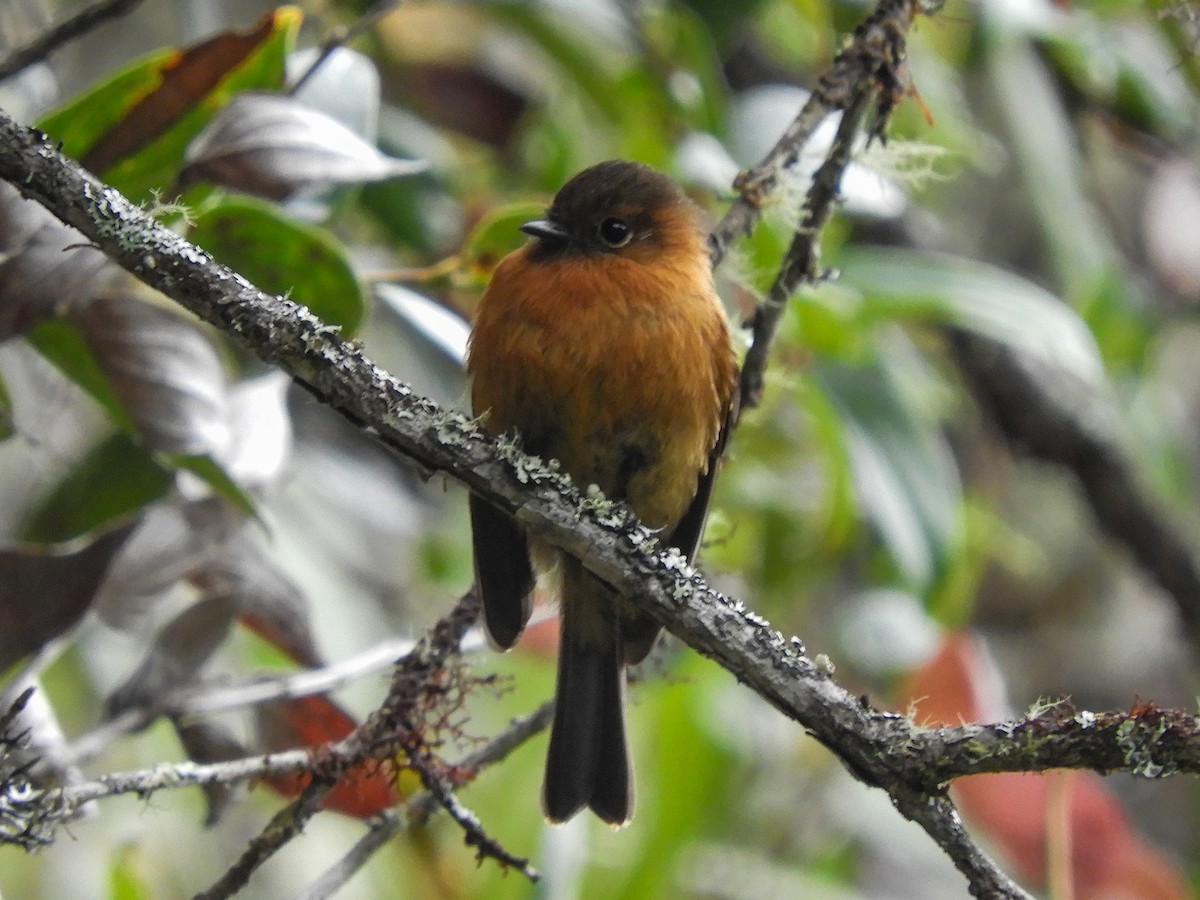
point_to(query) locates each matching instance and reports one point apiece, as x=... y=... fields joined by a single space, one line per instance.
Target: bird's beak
x=546 y=230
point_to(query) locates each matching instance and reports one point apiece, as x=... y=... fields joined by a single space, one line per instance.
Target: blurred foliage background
x=1039 y=191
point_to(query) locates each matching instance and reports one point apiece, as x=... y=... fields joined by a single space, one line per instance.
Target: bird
x=603 y=343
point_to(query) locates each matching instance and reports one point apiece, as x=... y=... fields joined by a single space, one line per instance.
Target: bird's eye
x=615 y=232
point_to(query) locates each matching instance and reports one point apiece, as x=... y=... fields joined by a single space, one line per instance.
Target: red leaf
x=364 y=791
x=1108 y=858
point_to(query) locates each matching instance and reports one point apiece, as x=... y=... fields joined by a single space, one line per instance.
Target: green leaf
x=134 y=476
x=282 y=256
x=118 y=477
x=7 y=428
x=976 y=296
x=400 y=206
x=906 y=479
x=498 y=233
x=214 y=475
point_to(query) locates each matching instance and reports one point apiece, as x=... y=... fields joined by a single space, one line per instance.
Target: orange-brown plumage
x=604 y=344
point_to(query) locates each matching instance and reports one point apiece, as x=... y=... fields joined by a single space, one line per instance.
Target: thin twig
x=284 y=825
x=937 y=815
x=70 y=29
x=420 y=807
x=869 y=70
x=208 y=699
x=382 y=829
x=146 y=781
x=875 y=55
x=801 y=265
x=365 y=21
x=395 y=726
x=473 y=832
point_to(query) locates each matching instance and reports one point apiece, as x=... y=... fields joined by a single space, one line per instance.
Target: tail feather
x=588 y=763
x=502 y=573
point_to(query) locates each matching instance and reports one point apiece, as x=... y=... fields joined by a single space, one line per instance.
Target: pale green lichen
x=530 y=469
x=1138 y=738
x=455 y=430
x=1041 y=706
x=682 y=591
x=607 y=512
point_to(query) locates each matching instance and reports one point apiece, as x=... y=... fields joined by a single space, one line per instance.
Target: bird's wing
x=639 y=633
x=687 y=534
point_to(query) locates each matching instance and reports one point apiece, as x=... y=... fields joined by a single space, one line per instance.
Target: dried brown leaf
x=45 y=591
x=164 y=369
x=44 y=265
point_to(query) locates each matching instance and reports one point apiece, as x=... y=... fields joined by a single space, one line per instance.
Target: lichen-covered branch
x=606 y=536
x=424 y=693
x=872 y=62
x=801 y=264
x=1144 y=740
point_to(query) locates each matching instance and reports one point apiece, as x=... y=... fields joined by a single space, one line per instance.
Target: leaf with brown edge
x=86 y=122
x=186 y=78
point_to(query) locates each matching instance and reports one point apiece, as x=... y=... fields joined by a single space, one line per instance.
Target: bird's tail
x=588 y=762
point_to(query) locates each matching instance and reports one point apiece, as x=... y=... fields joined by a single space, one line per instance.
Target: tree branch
x=881 y=749
x=419 y=808
x=68 y=30
x=286 y=824
x=604 y=535
x=872 y=61
x=401 y=726
x=801 y=264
